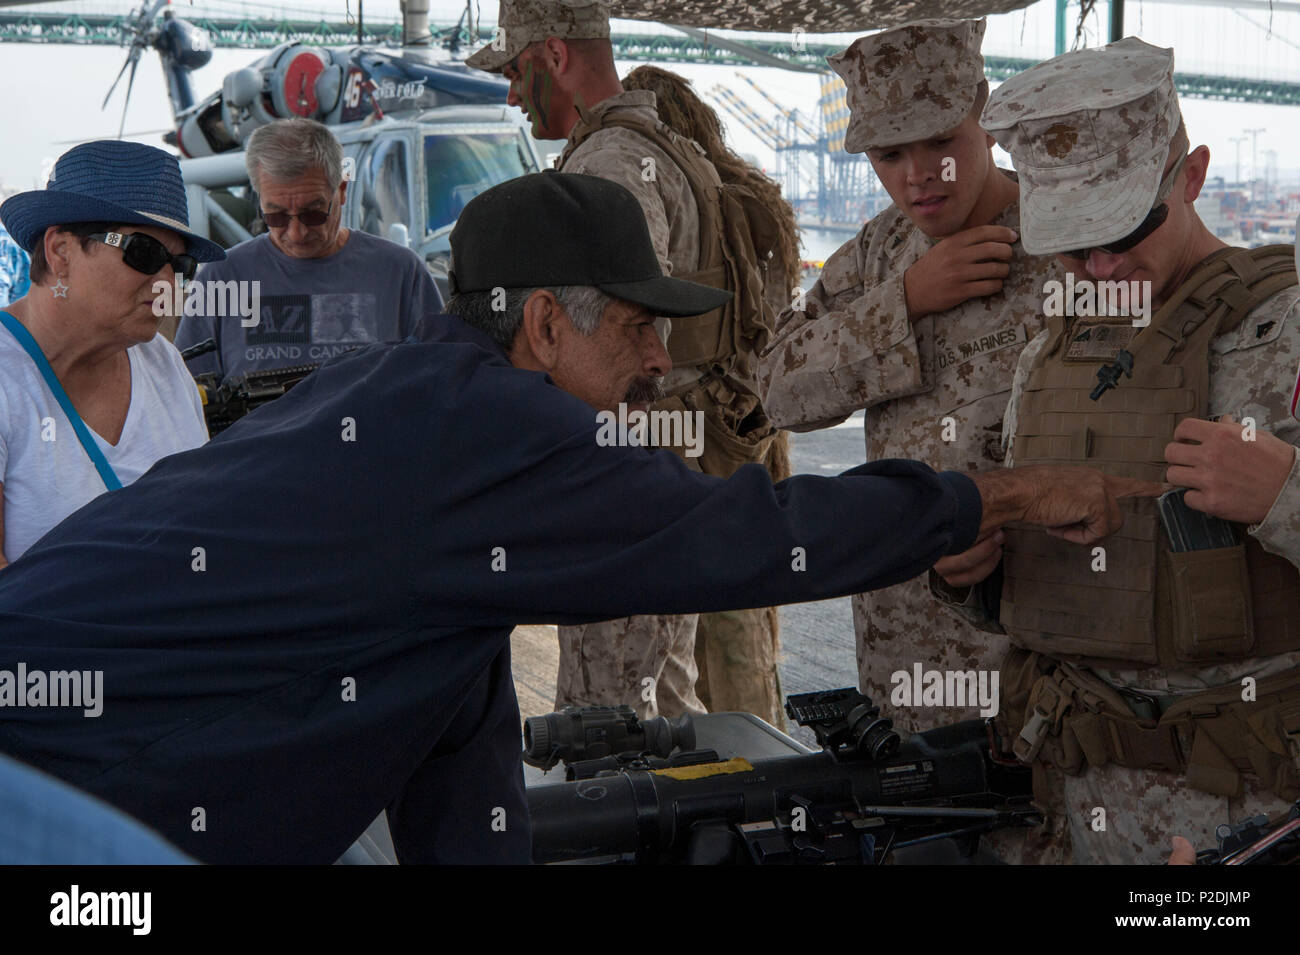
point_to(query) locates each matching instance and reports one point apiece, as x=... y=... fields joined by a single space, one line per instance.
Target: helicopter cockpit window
x=462 y=165
x=385 y=195
x=241 y=203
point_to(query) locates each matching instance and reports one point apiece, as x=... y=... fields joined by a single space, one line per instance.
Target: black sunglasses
x=146 y=254
x=311 y=218
x=1154 y=220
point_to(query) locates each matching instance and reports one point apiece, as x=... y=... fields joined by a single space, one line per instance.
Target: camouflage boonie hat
x=522 y=22
x=1089 y=133
x=910 y=83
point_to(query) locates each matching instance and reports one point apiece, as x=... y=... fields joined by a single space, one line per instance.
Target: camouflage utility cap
x=522 y=22
x=910 y=83
x=1089 y=133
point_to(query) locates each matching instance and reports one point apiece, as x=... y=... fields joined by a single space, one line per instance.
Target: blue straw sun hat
x=108 y=181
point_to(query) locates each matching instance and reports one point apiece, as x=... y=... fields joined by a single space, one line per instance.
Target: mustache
x=648 y=390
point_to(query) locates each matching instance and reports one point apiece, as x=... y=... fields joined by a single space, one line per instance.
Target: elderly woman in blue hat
x=90 y=395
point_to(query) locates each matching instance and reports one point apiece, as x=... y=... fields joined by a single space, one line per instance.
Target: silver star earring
x=60 y=290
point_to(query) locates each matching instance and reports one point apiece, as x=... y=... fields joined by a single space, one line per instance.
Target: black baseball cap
x=557 y=228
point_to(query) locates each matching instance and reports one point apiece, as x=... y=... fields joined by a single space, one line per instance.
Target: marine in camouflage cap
x=910 y=83
x=523 y=22
x=918 y=321
x=1089 y=132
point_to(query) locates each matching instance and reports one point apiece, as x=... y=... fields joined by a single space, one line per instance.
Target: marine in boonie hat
x=1089 y=133
x=910 y=83
x=523 y=22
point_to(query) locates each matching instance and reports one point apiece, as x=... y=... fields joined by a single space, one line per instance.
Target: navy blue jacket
x=233 y=594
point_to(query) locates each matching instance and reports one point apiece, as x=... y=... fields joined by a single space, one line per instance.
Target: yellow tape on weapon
x=704 y=770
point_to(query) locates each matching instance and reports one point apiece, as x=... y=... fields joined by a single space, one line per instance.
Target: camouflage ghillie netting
x=827 y=16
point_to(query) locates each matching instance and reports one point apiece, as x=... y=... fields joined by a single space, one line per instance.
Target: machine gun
x=865 y=796
x=226 y=402
x=1257 y=841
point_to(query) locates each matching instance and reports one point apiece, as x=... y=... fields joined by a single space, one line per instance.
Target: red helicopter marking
x=300 y=83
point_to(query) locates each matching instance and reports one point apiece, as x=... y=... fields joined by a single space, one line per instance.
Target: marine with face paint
x=558 y=59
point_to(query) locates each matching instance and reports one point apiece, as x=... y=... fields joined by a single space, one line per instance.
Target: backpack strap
x=728 y=259
x=1224 y=288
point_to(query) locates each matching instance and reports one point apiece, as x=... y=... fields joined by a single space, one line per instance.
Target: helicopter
x=335 y=86
x=421 y=136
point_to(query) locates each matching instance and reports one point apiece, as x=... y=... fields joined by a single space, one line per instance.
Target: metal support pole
x=1060 y=26
x=1238 y=140
x=1116 y=20
x=1254 y=157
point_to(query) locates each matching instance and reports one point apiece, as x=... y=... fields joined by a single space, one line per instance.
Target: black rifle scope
x=592 y=732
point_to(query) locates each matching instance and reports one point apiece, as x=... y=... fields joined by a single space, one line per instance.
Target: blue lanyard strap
x=97 y=458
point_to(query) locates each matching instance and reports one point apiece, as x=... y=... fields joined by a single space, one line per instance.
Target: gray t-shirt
x=371 y=290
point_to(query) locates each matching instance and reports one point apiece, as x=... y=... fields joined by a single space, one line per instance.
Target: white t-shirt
x=46 y=472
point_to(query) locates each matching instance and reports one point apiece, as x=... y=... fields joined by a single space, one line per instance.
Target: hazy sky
x=56 y=91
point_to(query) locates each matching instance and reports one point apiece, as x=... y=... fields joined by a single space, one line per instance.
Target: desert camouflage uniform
x=1253 y=372
x=737 y=656
x=621 y=155
x=607 y=663
x=853 y=347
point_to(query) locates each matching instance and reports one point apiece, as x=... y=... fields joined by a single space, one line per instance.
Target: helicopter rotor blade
x=134 y=134
x=129 y=83
x=144 y=19
x=125 y=64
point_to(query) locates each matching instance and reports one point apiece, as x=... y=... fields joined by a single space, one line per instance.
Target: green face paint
x=535 y=94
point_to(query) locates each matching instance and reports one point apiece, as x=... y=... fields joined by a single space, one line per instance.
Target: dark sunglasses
x=311 y=218
x=146 y=254
x=1154 y=220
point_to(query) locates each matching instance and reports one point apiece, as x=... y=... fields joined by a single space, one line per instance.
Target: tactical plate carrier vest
x=736 y=233
x=1150 y=606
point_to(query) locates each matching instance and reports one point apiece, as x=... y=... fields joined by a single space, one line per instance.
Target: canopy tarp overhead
x=822 y=16
x=778 y=16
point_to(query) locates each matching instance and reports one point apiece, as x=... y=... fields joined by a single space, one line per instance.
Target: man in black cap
x=270 y=684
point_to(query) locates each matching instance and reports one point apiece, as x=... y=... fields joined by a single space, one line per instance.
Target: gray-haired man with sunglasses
x=317 y=288
x=1159 y=671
